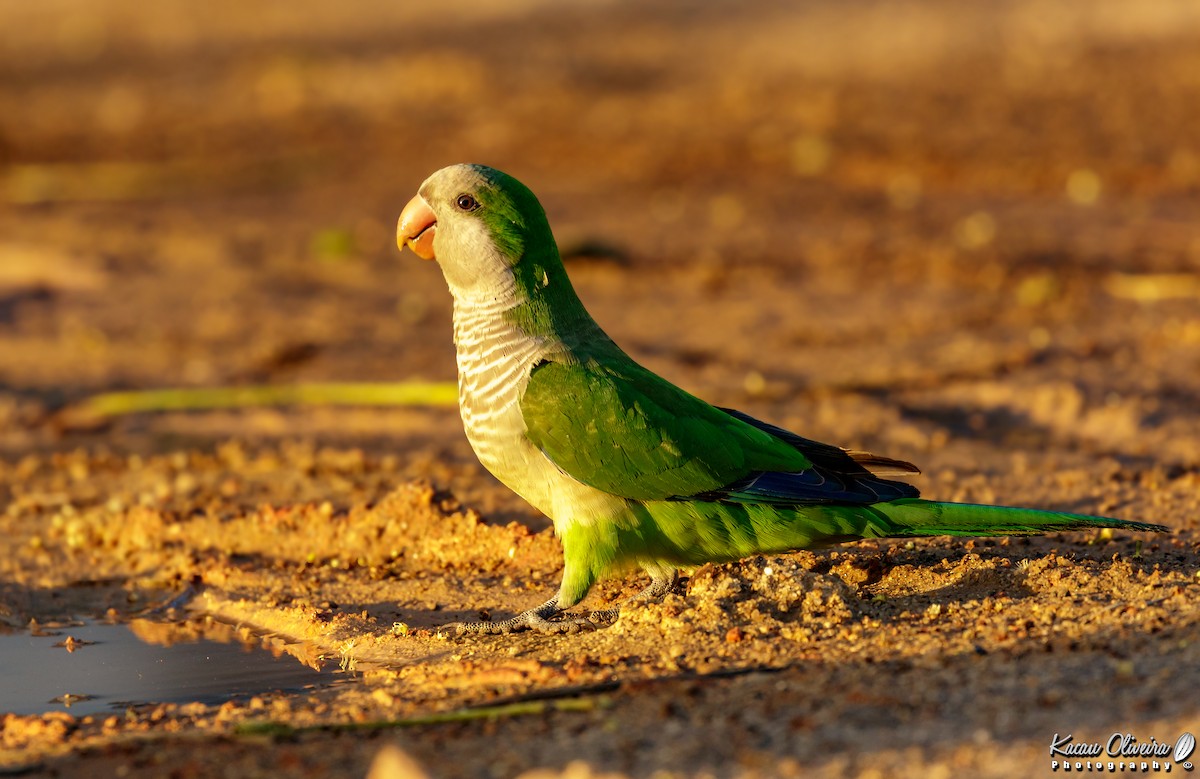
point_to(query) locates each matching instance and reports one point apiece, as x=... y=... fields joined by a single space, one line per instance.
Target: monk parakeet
x=633 y=471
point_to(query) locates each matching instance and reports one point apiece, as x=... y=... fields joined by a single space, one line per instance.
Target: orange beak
x=417 y=227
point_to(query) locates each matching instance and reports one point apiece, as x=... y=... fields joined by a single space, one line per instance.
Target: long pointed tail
x=917 y=517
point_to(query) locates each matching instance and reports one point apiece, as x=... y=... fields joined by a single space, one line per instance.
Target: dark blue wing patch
x=837 y=476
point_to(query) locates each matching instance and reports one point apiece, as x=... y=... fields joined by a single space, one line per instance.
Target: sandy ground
x=958 y=234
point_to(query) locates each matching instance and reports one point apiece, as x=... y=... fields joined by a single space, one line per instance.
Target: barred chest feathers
x=494 y=361
x=495 y=358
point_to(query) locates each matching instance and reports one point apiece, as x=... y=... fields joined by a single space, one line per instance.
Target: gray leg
x=660 y=585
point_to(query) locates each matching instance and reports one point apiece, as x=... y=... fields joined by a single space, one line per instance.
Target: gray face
x=464 y=247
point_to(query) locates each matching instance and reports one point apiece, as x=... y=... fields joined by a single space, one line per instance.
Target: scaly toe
x=457 y=629
x=547 y=627
x=603 y=618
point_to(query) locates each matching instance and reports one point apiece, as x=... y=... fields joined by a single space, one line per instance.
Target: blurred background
x=961 y=233
x=907 y=225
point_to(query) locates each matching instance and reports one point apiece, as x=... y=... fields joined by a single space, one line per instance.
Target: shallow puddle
x=99 y=667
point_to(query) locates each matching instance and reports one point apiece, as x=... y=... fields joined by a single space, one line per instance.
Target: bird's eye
x=466 y=203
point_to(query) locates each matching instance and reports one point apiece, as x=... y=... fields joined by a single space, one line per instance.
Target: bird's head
x=484 y=228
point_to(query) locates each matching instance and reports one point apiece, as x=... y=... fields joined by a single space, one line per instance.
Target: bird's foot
x=658 y=587
x=537 y=618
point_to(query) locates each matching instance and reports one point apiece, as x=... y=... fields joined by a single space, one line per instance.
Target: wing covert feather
x=628 y=432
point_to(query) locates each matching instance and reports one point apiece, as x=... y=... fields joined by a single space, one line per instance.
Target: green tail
x=917 y=517
x=694 y=532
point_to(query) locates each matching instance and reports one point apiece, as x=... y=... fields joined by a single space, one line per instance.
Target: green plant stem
x=406 y=393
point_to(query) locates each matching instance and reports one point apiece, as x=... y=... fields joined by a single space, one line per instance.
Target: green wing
x=624 y=430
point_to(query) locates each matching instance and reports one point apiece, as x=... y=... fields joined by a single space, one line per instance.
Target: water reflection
x=99 y=667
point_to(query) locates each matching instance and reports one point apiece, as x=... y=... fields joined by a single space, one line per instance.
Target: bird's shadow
x=1003 y=573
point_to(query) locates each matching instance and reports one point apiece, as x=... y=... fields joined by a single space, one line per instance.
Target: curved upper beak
x=417 y=227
